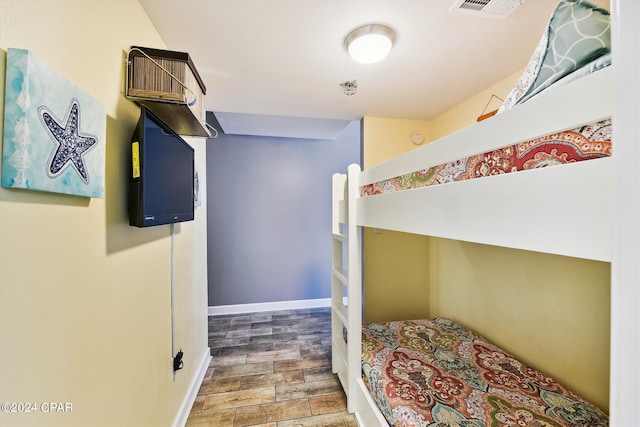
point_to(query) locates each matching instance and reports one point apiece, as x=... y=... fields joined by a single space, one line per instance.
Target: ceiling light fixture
x=370 y=43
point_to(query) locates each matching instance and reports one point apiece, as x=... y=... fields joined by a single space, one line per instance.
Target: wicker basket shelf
x=167 y=83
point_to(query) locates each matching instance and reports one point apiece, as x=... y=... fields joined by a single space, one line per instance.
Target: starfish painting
x=70 y=144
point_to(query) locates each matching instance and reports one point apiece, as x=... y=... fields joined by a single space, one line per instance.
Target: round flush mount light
x=370 y=43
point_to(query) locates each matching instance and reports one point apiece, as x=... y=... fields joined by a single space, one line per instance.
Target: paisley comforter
x=435 y=372
x=591 y=141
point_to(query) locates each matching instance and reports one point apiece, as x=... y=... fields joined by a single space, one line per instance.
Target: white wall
x=85 y=299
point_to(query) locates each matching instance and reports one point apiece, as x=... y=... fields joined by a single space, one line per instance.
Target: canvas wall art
x=54 y=133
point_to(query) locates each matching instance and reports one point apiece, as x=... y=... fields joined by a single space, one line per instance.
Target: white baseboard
x=268 y=306
x=190 y=397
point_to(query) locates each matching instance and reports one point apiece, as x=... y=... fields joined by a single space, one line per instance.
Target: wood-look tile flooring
x=271 y=369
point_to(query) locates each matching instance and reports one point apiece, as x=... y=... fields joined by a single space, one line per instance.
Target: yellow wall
x=551 y=311
x=85 y=301
x=466 y=113
x=396 y=263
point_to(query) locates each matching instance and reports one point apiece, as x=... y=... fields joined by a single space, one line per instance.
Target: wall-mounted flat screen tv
x=162 y=168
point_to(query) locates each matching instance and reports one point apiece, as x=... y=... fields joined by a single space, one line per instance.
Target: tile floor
x=271 y=369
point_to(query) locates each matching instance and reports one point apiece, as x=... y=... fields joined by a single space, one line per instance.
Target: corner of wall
x=396 y=264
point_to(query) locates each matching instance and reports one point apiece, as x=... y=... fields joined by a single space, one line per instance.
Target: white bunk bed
x=583 y=191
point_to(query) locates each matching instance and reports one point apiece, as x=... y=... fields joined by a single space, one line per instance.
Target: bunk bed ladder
x=346 y=282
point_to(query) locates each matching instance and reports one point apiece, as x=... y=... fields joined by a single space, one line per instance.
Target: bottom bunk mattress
x=435 y=372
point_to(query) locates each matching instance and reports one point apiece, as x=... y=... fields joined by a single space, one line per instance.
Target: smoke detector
x=485 y=8
x=350 y=88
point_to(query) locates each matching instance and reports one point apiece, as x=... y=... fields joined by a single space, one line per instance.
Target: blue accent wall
x=269 y=215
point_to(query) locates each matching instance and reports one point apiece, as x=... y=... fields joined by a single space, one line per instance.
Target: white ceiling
x=286 y=57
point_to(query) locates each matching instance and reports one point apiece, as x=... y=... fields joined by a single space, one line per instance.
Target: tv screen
x=162 y=174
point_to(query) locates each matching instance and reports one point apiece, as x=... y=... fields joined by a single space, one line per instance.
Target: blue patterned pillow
x=578 y=32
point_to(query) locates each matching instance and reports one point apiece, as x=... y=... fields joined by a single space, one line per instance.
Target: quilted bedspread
x=435 y=372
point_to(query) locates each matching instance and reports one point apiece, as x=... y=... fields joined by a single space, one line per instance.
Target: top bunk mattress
x=435 y=372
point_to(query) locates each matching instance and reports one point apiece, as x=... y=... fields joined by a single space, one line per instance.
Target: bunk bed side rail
x=565 y=210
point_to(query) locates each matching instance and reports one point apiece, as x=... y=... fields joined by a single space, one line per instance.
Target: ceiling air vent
x=486 y=8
